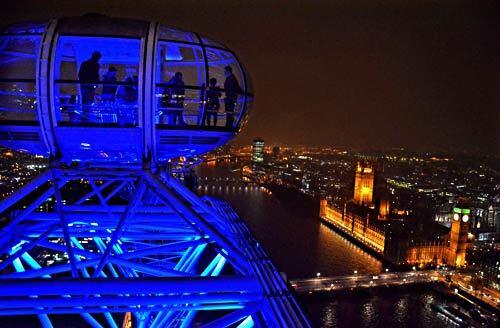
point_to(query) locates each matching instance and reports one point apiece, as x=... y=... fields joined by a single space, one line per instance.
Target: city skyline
x=414 y=75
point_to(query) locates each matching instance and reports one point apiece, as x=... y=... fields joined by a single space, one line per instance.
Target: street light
x=318 y=274
x=355 y=271
x=386 y=270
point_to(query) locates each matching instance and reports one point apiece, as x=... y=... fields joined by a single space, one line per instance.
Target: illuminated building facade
x=106 y=234
x=258 y=151
x=363 y=184
x=356 y=226
x=396 y=241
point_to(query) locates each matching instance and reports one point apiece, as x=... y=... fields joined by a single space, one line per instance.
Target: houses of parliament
x=402 y=240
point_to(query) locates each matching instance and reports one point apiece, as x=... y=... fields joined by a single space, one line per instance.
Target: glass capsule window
x=96 y=81
x=180 y=77
x=225 y=71
x=174 y=34
x=212 y=43
x=19 y=50
x=199 y=83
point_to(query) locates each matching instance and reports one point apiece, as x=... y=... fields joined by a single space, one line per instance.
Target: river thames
x=301 y=246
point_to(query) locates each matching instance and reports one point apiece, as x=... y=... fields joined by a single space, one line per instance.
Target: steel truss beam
x=103 y=242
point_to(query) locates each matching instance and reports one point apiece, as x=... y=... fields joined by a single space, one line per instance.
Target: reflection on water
x=389 y=309
x=301 y=246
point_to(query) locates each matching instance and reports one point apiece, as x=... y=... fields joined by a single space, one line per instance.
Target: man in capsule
x=174 y=99
x=89 y=74
x=232 y=88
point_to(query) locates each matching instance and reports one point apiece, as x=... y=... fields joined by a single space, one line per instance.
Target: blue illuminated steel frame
x=136 y=243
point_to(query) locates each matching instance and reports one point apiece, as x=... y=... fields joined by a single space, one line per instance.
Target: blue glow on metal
x=247 y=323
x=161 y=253
x=219 y=266
x=18 y=265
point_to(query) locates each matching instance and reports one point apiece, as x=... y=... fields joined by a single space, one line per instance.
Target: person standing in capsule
x=173 y=99
x=87 y=75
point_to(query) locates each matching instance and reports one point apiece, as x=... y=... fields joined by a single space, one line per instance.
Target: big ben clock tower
x=458 y=234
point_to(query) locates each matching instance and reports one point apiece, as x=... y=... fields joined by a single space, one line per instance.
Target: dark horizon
x=422 y=76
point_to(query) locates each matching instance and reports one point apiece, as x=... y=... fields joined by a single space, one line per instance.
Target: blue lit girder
x=134 y=242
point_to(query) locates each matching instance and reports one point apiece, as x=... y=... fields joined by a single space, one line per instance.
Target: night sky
x=424 y=75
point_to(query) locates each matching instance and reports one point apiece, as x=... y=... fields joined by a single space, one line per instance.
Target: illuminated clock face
x=465 y=218
x=456 y=217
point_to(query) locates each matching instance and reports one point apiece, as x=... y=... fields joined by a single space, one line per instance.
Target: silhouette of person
x=109 y=90
x=127 y=95
x=174 y=99
x=232 y=88
x=129 y=92
x=212 y=105
x=89 y=74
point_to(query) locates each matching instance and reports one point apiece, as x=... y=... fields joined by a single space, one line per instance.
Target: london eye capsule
x=111 y=91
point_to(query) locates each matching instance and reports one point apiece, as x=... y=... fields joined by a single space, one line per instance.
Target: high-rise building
x=258 y=151
x=363 y=184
